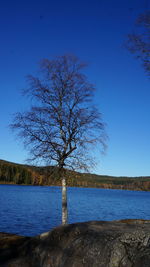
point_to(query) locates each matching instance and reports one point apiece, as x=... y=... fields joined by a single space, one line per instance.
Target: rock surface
x=123 y=243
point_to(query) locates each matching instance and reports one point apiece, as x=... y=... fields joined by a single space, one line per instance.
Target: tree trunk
x=64 y=202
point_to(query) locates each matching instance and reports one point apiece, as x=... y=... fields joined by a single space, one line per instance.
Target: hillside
x=13 y=173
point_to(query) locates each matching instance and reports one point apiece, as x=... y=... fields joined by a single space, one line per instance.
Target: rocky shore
x=123 y=243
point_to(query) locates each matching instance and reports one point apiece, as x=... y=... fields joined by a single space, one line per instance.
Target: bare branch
x=62 y=125
x=138 y=42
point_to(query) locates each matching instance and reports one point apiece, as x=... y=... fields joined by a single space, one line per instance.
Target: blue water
x=31 y=210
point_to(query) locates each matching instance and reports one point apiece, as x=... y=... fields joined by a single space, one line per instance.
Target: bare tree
x=138 y=42
x=62 y=126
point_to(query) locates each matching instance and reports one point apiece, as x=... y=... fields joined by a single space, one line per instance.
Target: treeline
x=31 y=175
x=14 y=173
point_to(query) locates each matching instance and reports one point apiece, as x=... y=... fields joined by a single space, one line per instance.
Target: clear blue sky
x=95 y=31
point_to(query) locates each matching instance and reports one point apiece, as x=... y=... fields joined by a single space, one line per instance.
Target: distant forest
x=12 y=173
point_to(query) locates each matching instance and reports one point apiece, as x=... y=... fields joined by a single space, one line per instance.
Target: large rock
x=91 y=244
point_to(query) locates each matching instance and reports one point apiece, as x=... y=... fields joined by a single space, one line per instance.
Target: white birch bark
x=64 y=202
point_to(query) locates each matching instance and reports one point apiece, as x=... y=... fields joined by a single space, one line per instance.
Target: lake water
x=31 y=210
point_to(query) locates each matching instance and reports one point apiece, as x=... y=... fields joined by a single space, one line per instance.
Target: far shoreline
x=37 y=185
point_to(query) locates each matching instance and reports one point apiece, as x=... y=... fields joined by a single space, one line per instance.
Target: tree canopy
x=62 y=126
